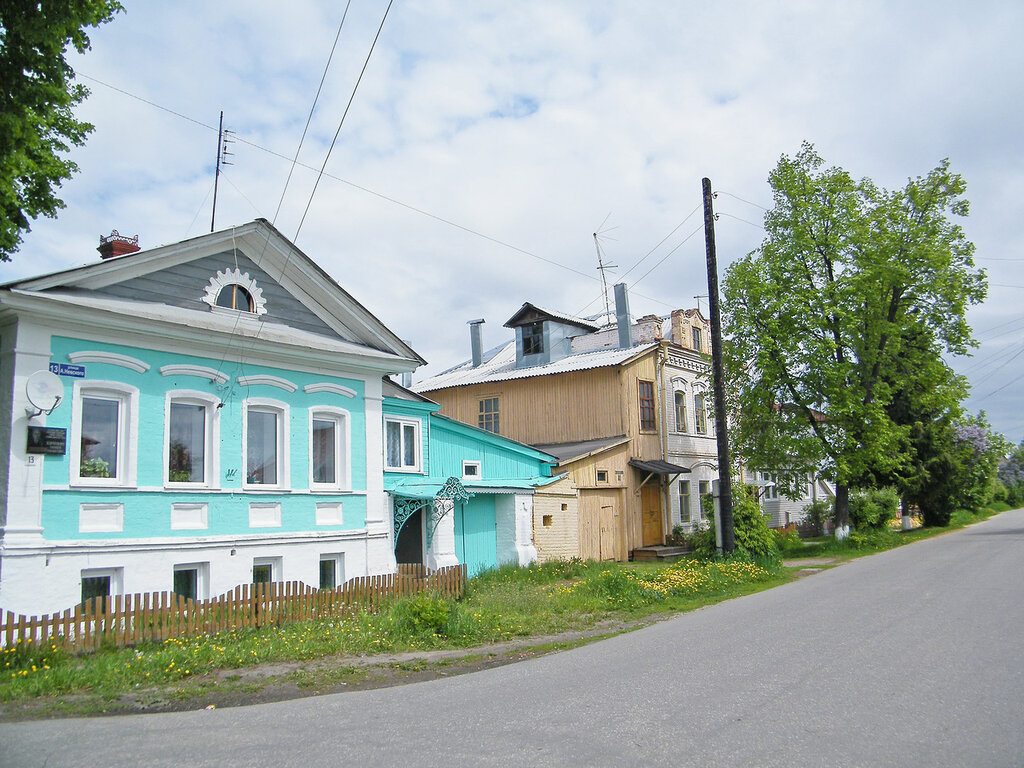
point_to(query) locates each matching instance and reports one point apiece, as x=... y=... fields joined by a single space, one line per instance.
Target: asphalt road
x=908 y=658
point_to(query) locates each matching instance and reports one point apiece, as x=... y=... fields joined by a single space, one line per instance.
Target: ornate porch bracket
x=444 y=501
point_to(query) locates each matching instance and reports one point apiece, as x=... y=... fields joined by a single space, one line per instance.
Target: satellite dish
x=45 y=391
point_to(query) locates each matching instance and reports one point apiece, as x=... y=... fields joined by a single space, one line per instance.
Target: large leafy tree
x=37 y=93
x=822 y=312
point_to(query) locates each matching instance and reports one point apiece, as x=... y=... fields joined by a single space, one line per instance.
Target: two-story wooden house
x=621 y=407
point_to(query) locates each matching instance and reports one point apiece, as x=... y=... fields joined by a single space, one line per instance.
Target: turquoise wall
x=476 y=540
x=147 y=510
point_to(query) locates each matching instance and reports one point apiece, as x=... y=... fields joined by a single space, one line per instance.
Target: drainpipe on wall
x=660 y=357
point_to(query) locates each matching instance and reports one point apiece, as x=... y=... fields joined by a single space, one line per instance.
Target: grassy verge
x=499 y=606
x=860 y=543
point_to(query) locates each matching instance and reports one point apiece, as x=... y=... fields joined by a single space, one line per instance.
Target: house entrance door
x=409 y=547
x=650 y=505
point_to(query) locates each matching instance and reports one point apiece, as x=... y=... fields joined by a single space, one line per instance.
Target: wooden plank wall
x=131 y=619
x=580 y=405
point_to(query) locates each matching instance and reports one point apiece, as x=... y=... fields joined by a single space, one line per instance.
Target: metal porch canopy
x=408 y=499
x=656 y=467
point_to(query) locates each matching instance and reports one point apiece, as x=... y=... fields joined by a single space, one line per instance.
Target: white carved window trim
x=228 y=277
x=342 y=447
x=281 y=410
x=108 y=358
x=211 y=438
x=127 y=398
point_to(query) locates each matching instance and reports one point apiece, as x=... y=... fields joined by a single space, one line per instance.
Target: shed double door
x=599 y=525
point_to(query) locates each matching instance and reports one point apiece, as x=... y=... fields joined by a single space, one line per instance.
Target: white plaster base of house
x=514 y=520
x=42 y=580
x=442 y=547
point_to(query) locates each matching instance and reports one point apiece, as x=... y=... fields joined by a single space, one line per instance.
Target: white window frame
x=127 y=398
x=479 y=470
x=338 y=558
x=116 y=576
x=267 y=405
x=202 y=577
x=211 y=459
x=700 y=415
x=684 y=427
x=342 y=447
x=276 y=566
x=404 y=422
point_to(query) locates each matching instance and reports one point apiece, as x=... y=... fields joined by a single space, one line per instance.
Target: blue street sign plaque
x=66 y=369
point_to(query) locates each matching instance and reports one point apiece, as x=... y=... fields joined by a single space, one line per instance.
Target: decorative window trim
x=228 y=277
x=127 y=429
x=418 y=426
x=477 y=465
x=211 y=468
x=101 y=518
x=326 y=386
x=680 y=395
x=189 y=516
x=108 y=358
x=265 y=514
x=199 y=371
x=268 y=381
x=283 y=432
x=343 y=452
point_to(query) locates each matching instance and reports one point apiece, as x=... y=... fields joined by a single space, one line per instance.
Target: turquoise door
x=476 y=536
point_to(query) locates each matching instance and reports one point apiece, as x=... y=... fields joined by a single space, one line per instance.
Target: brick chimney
x=677 y=327
x=117 y=245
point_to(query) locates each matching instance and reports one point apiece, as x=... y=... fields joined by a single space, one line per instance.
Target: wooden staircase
x=659 y=553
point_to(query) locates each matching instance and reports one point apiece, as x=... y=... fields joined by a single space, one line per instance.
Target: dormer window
x=533 y=338
x=235 y=296
x=232 y=290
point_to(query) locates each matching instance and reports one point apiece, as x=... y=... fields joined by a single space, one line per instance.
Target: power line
x=755 y=226
x=341 y=122
x=368 y=191
x=737 y=197
x=312 y=108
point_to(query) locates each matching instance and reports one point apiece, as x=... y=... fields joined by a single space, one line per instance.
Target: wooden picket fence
x=154 y=617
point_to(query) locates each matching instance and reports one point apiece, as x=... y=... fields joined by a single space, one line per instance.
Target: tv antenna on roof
x=223 y=139
x=601 y=267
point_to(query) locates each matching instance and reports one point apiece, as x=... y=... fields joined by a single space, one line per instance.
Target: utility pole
x=718 y=377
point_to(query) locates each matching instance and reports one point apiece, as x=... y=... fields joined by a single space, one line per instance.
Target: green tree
x=820 y=313
x=37 y=94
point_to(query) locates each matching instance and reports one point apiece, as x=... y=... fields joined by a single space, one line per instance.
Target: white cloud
x=530 y=122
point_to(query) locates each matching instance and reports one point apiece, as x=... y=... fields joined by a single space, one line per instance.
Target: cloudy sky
x=488 y=141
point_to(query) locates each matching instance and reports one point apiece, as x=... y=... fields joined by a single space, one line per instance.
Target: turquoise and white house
x=458 y=494
x=220 y=421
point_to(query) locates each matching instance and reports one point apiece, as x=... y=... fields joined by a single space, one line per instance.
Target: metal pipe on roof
x=622 y=315
x=476 y=342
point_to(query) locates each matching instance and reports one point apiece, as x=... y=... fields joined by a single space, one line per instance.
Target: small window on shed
x=602 y=475
x=549 y=520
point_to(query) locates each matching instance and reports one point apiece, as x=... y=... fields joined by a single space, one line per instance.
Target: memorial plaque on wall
x=52 y=441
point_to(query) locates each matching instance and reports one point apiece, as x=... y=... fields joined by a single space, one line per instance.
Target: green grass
x=861 y=543
x=500 y=605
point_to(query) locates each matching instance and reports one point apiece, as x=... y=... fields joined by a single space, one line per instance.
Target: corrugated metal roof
x=502 y=367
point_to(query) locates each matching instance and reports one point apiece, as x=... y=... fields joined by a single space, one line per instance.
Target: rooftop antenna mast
x=223 y=139
x=601 y=267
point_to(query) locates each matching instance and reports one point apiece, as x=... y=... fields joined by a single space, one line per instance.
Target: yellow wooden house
x=597 y=400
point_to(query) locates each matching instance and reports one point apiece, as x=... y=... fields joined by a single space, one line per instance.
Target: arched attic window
x=232 y=289
x=235 y=296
